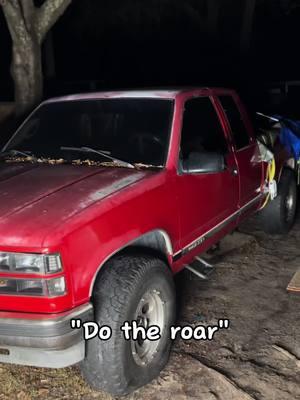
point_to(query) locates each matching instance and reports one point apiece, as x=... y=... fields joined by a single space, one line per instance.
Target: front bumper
x=43 y=341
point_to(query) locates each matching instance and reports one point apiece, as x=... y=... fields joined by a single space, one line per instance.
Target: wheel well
x=143 y=250
x=156 y=243
x=157 y=240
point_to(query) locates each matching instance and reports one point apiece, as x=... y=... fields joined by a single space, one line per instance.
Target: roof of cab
x=140 y=93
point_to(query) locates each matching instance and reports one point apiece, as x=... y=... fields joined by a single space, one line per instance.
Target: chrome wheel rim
x=150 y=311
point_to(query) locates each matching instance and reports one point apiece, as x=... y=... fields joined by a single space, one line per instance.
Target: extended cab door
x=205 y=199
x=246 y=149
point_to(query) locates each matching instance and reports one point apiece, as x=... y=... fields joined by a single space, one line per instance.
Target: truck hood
x=36 y=197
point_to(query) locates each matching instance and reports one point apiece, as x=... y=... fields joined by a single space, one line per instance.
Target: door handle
x=234 y=171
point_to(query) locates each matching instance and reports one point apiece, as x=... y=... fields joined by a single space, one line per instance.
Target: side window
x=201 y=130
x=238 y=128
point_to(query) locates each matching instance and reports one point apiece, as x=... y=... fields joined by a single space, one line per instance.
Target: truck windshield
x=134 y=130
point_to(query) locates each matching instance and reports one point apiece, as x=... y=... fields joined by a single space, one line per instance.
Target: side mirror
x=204 y=163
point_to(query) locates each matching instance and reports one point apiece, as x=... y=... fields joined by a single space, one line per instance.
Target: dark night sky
x=122 y=43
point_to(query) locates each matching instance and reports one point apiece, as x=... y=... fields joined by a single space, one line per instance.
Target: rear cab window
x=237 y=125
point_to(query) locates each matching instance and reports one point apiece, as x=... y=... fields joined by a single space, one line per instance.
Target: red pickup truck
x=104 y=197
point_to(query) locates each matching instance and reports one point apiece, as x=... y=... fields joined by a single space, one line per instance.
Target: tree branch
x=14 y=19
x=48 y=14
x=28 y=10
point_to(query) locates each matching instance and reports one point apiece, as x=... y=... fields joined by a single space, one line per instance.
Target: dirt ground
x=258 y=357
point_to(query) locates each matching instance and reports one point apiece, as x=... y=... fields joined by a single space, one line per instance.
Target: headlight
x=28 y=263
x=25 y=263
x=33 y=287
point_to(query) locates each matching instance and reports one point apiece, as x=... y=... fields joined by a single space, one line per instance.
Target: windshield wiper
x=15 y=152
x=91 y=150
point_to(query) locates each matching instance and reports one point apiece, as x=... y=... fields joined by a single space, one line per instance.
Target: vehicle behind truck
x=104 y=198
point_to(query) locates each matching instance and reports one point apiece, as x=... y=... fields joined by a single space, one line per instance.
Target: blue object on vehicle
x=290 y=135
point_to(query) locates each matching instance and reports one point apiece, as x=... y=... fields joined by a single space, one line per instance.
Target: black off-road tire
x=110 y=365
x=279 y=215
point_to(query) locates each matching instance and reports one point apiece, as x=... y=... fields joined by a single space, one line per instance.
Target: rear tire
x=279 y=215
x=130 y=288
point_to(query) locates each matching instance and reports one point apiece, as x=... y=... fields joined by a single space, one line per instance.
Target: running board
x=201 y=268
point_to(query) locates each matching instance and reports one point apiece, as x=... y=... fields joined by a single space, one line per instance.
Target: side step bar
x=201 y=268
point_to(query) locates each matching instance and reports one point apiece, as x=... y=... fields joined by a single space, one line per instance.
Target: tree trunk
x=28 y=26
x=26 y=71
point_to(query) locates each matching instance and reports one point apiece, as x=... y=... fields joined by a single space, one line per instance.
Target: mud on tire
x=130 y=288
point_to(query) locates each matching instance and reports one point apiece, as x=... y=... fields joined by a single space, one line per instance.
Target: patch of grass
x=26 y=383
